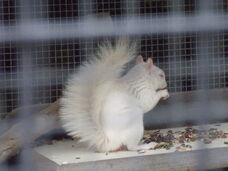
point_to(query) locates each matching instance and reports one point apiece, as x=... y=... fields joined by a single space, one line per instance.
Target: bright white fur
x=106 y=109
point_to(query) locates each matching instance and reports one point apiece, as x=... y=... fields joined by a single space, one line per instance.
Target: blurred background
x=57 y=43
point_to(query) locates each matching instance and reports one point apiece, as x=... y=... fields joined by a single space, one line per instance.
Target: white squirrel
x=105 y=108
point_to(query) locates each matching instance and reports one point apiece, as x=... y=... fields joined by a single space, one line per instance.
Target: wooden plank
x=44 y=164
x=70 y=155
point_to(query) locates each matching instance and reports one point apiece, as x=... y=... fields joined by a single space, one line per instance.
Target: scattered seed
x=224 y=136
x=55 y=141
x=162 y=145
x=190 y=134
x=141 y=151
x=183 y=148
x=207 y=141
x=178 y=147
x=188 y=146
x=213 y=129
x=170 y=131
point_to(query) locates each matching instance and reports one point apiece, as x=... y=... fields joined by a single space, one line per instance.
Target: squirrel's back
x=85 y=91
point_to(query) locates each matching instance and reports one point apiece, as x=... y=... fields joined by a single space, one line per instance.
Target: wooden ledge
x=70 y=156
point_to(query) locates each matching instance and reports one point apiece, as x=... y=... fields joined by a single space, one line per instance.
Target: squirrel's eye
x=162 y=75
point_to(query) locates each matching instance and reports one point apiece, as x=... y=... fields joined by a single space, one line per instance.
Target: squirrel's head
x=155 y=75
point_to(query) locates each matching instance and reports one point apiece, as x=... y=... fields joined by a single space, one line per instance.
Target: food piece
x=189 y=134
x=163 y=145
x=141 y=151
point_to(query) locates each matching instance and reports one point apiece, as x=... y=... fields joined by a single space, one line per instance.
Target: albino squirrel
x=105 y=108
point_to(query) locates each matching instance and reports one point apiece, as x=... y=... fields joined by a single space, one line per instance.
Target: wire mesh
x=176 y=48
x=54 y=59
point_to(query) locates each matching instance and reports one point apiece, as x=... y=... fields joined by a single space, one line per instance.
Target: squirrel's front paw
x=165 y=94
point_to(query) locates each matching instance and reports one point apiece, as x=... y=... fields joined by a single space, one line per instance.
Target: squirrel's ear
x=139 y=59
x=149 y=63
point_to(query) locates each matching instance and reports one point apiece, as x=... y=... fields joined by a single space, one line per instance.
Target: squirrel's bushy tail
x=83 y=98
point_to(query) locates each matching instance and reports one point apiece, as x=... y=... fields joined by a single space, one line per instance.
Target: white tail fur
x=82 y=100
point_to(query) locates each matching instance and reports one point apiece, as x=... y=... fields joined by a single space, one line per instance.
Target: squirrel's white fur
x=105 y=109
